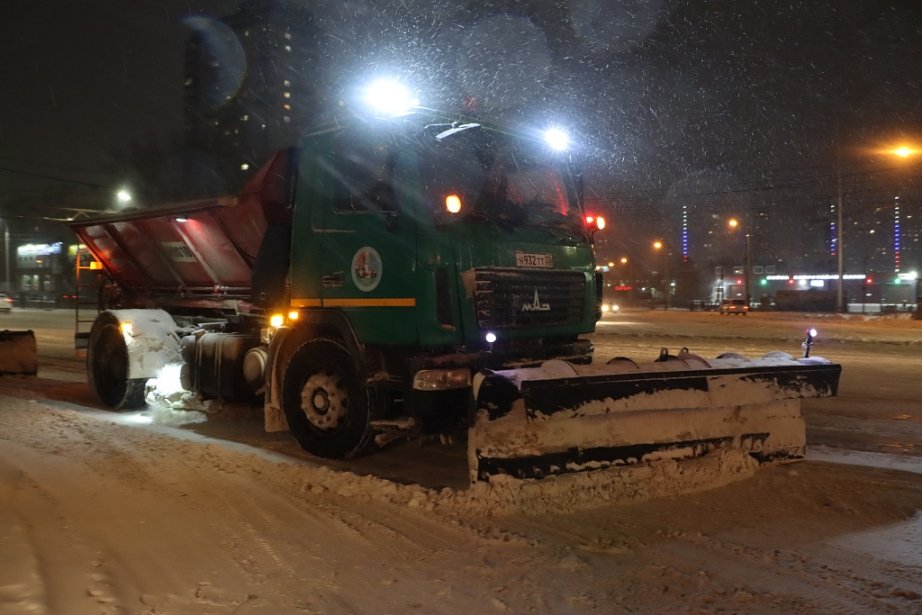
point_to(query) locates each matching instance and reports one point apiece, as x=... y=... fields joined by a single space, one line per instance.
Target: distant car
x=734 y=306
x=610 y=308
x=6 y=303
x=65 y=299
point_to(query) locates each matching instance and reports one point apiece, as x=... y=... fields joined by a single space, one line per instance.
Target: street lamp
x=661 y=246
x=734 y=224
x=905 y=152
x=900 y=151
x=6 y=254
x=632 y=280
x=123 y=197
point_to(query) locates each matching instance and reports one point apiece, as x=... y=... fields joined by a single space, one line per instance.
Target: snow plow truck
x=399 y=276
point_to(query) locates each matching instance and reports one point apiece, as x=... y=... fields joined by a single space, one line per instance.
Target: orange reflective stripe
x=348 y=302
x=303 y=302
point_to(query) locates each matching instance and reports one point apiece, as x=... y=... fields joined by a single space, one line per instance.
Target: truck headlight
x=557 y=139
x=442 y=379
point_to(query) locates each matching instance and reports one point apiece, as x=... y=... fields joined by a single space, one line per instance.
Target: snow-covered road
x=157 y=513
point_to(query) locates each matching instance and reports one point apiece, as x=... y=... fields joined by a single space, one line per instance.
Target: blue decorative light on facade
x=685 y=233
x=896 y=234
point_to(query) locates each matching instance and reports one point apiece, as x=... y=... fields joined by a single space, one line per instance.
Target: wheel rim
x=324 y=401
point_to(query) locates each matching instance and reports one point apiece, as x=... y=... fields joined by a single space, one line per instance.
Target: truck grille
x=513 y=299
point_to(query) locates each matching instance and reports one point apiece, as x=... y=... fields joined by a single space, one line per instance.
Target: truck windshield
x=497 y=177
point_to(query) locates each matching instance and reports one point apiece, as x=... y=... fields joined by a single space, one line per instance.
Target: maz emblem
x=536 y=305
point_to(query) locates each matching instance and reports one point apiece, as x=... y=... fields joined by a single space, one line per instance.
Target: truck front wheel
x=324 y=401
x=107 y=360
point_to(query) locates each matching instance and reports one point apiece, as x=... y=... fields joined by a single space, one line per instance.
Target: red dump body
x=199 y=246
x=202 y=248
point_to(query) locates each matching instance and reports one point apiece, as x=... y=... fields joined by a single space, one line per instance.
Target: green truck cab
x=428 y=252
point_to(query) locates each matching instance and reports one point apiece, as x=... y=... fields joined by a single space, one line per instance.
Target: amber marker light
x=453 y=203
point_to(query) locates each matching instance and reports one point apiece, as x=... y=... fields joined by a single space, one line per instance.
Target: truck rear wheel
x=324 y=401
x=107 y=360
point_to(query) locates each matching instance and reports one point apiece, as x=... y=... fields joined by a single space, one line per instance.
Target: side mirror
x=577 y=174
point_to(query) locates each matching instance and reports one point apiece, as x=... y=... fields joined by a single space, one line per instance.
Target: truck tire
x=327 y=408
x=107 y=363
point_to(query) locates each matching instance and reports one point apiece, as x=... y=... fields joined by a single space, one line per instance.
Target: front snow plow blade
x=562 y=418
x=18 y=355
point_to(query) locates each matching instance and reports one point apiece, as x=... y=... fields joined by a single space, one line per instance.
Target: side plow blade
x=561 y=418
x=18 y=353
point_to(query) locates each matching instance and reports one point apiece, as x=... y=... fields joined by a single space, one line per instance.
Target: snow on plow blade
x=18 y=353
x=561 y=418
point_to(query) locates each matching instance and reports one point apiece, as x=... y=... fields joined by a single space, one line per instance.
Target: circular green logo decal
x=366 y=269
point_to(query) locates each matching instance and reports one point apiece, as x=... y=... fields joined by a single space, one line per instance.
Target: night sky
x=669 y=97
x=82 y=80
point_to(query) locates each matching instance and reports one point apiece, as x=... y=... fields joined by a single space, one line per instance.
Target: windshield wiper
x=455 y=130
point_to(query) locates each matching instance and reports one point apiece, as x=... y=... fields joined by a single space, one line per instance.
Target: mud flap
x=562 y=418
x=18 y=353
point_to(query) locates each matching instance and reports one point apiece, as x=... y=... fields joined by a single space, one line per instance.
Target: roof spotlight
x=557 y=139
x=390 y=98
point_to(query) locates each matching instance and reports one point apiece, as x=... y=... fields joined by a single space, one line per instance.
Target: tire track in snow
x=787 y=579
x=63 y=572
x=368 y=531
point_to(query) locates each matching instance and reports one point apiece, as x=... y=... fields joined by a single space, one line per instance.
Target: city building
x=248 y=91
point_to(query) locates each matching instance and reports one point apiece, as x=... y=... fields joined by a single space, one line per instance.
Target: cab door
x=364 y=259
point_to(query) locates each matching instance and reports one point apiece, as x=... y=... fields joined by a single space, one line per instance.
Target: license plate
x=530 y=259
